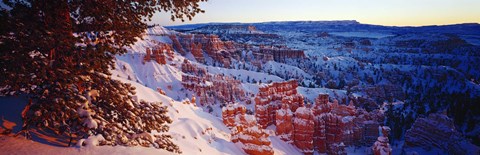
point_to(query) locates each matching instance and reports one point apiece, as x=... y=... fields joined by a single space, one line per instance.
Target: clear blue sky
x=382 y=12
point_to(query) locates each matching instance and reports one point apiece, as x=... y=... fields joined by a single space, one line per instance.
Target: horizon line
x=273 y=21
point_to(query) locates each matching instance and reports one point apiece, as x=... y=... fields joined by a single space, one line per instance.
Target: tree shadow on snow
x=11 y=123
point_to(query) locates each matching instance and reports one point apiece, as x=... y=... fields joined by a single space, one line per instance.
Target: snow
x=193 y=130
x=21 y=146
x=91 y=141
x=273 y=66
x=362 y=34
x=311 y=94
x=303 y=110
x=281 y=147
x=242 y=75
x=84 y=111
x=158 y=30
x=191 y=125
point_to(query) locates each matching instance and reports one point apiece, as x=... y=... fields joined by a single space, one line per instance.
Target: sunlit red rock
x=230 y=112
x=200 y=44
x=284 y=123
x=159 y=90
x=246 y=131
x=303 y=130
x=176 y=44
x=270 y=98
x=211 y=88
x=196 y=50
x=160 y=53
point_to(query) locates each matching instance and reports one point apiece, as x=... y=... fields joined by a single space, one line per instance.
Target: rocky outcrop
x=176 y=44
x=188 y=67
x=365 y=42
x=284 y=123
x=255 y=141
x=337 y=126
x=281 y=55
x=303 y=130
x=278 y=53
x=381 y=146
x=159 y=90
x=327 y=127
x=159 y=53
x=188 y=43
x=196 y=50
x=438 y=131
x=246 y=131
x=211 y=88
x=200 y=44
x=230 y=112
x=270 y=98
x=370 y=131
x=380 y=92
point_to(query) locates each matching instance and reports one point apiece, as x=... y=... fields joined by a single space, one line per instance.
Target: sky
x=379 y=12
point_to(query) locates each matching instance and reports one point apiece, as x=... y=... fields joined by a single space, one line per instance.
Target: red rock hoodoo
x=230 y=112
x=246 y=131
x=284 y=123
x=270 y=98
x=159 y=53
x=303 y=130
x=325 y=126
x=381 y=146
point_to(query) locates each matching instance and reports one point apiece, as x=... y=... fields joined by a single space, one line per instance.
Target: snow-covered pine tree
x=60 y=52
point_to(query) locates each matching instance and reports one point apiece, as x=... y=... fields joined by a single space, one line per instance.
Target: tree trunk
x=57 y=22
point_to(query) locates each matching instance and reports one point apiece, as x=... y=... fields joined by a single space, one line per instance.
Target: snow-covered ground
x=362 y=34
x=193 y=130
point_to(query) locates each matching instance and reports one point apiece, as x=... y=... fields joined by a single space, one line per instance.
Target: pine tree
x=60 y=54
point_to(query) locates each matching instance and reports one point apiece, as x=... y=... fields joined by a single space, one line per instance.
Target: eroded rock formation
x=210 y=88
x=246 y=131
x=280 y=54
x=338 y=126
x=230 y=112
x=327 y=127
x=303 y=130
x=270 y=98
x=284 y=123
x=200 y=44
x=438 y=131
x=381 y=146
x=160 y=53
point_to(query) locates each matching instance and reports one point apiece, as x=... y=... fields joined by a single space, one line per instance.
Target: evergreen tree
x=60 y=52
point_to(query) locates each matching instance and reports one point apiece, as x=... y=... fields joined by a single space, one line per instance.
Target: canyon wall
x=211 y=88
